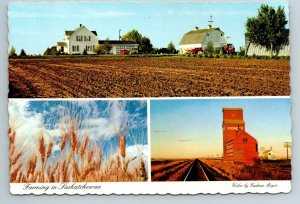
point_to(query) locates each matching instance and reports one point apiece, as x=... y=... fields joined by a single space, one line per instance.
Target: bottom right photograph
x=221 y=139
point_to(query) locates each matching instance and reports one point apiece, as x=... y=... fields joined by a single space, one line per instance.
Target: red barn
x=238 y=145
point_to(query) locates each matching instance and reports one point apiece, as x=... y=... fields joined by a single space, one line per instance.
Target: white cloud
x=28 y=124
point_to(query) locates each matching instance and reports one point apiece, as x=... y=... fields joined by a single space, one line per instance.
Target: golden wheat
x=75 y=164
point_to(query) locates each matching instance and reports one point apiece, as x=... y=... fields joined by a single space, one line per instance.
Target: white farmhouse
x=198 y=38
x=75 y=42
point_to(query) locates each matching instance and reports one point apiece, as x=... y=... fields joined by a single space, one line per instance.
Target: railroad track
x=196 y=172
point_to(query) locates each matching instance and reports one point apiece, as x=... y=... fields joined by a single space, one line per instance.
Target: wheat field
x=81 y=164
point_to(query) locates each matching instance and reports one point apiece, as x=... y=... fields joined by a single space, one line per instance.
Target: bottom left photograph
x=78 y=141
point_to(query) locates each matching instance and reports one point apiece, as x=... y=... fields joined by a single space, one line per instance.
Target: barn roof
x=196 y=36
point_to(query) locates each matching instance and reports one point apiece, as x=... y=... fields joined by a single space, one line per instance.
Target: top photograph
x=148 y=49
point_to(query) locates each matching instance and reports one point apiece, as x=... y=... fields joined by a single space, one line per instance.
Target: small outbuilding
x=119 y=45
x=269 y=154
x=252 y=49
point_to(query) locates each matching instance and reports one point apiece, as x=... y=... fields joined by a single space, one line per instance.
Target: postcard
x=149 y=97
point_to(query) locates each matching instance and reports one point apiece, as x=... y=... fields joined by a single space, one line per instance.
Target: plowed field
x=147 y=77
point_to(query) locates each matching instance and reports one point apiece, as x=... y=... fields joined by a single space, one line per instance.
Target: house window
x=85 y=38
x=89 y=38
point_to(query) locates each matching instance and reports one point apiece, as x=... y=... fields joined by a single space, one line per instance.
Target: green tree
x=242 y=51
x=107 y=46
x=146 y=46
x=267 y=29
x=171 y=48
x=23 y=53
x=144 y=42
x=209 y=49
x=218 y=50
x=12 y=52
x=99 y=49
x=51 y=51
x=133 y=35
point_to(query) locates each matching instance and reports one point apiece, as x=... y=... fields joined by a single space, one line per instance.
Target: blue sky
x=102 y=121
x=193 y=128
x=36 y=26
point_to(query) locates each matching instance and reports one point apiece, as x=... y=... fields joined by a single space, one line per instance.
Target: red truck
x=229 y=49
x=124 y=52
x=197 y=50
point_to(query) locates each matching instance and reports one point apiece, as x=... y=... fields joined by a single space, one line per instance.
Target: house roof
x=62 y=44
x=70 y=32
x=119 y=42
x=196 y=36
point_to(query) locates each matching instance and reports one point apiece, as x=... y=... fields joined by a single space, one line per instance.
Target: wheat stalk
x=31 y=165
x=143 y=170
x=42 y=148
x=99 y=153
x=15 y=159
x=83 y=146
x=75 y=170
x=49 y=149
x=12 y=137
x=90 y=168
x=90 y=156
x=13 y=175
x=63 y=141
x=122 y=145
x=73 y=141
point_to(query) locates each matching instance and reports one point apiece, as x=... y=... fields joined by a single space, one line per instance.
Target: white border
x=152 y=98
x=174 y=188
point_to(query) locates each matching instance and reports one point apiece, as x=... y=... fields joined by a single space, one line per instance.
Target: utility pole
x=119 y=34
x=228 y=37
x=287 y=145
x=210 y=22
